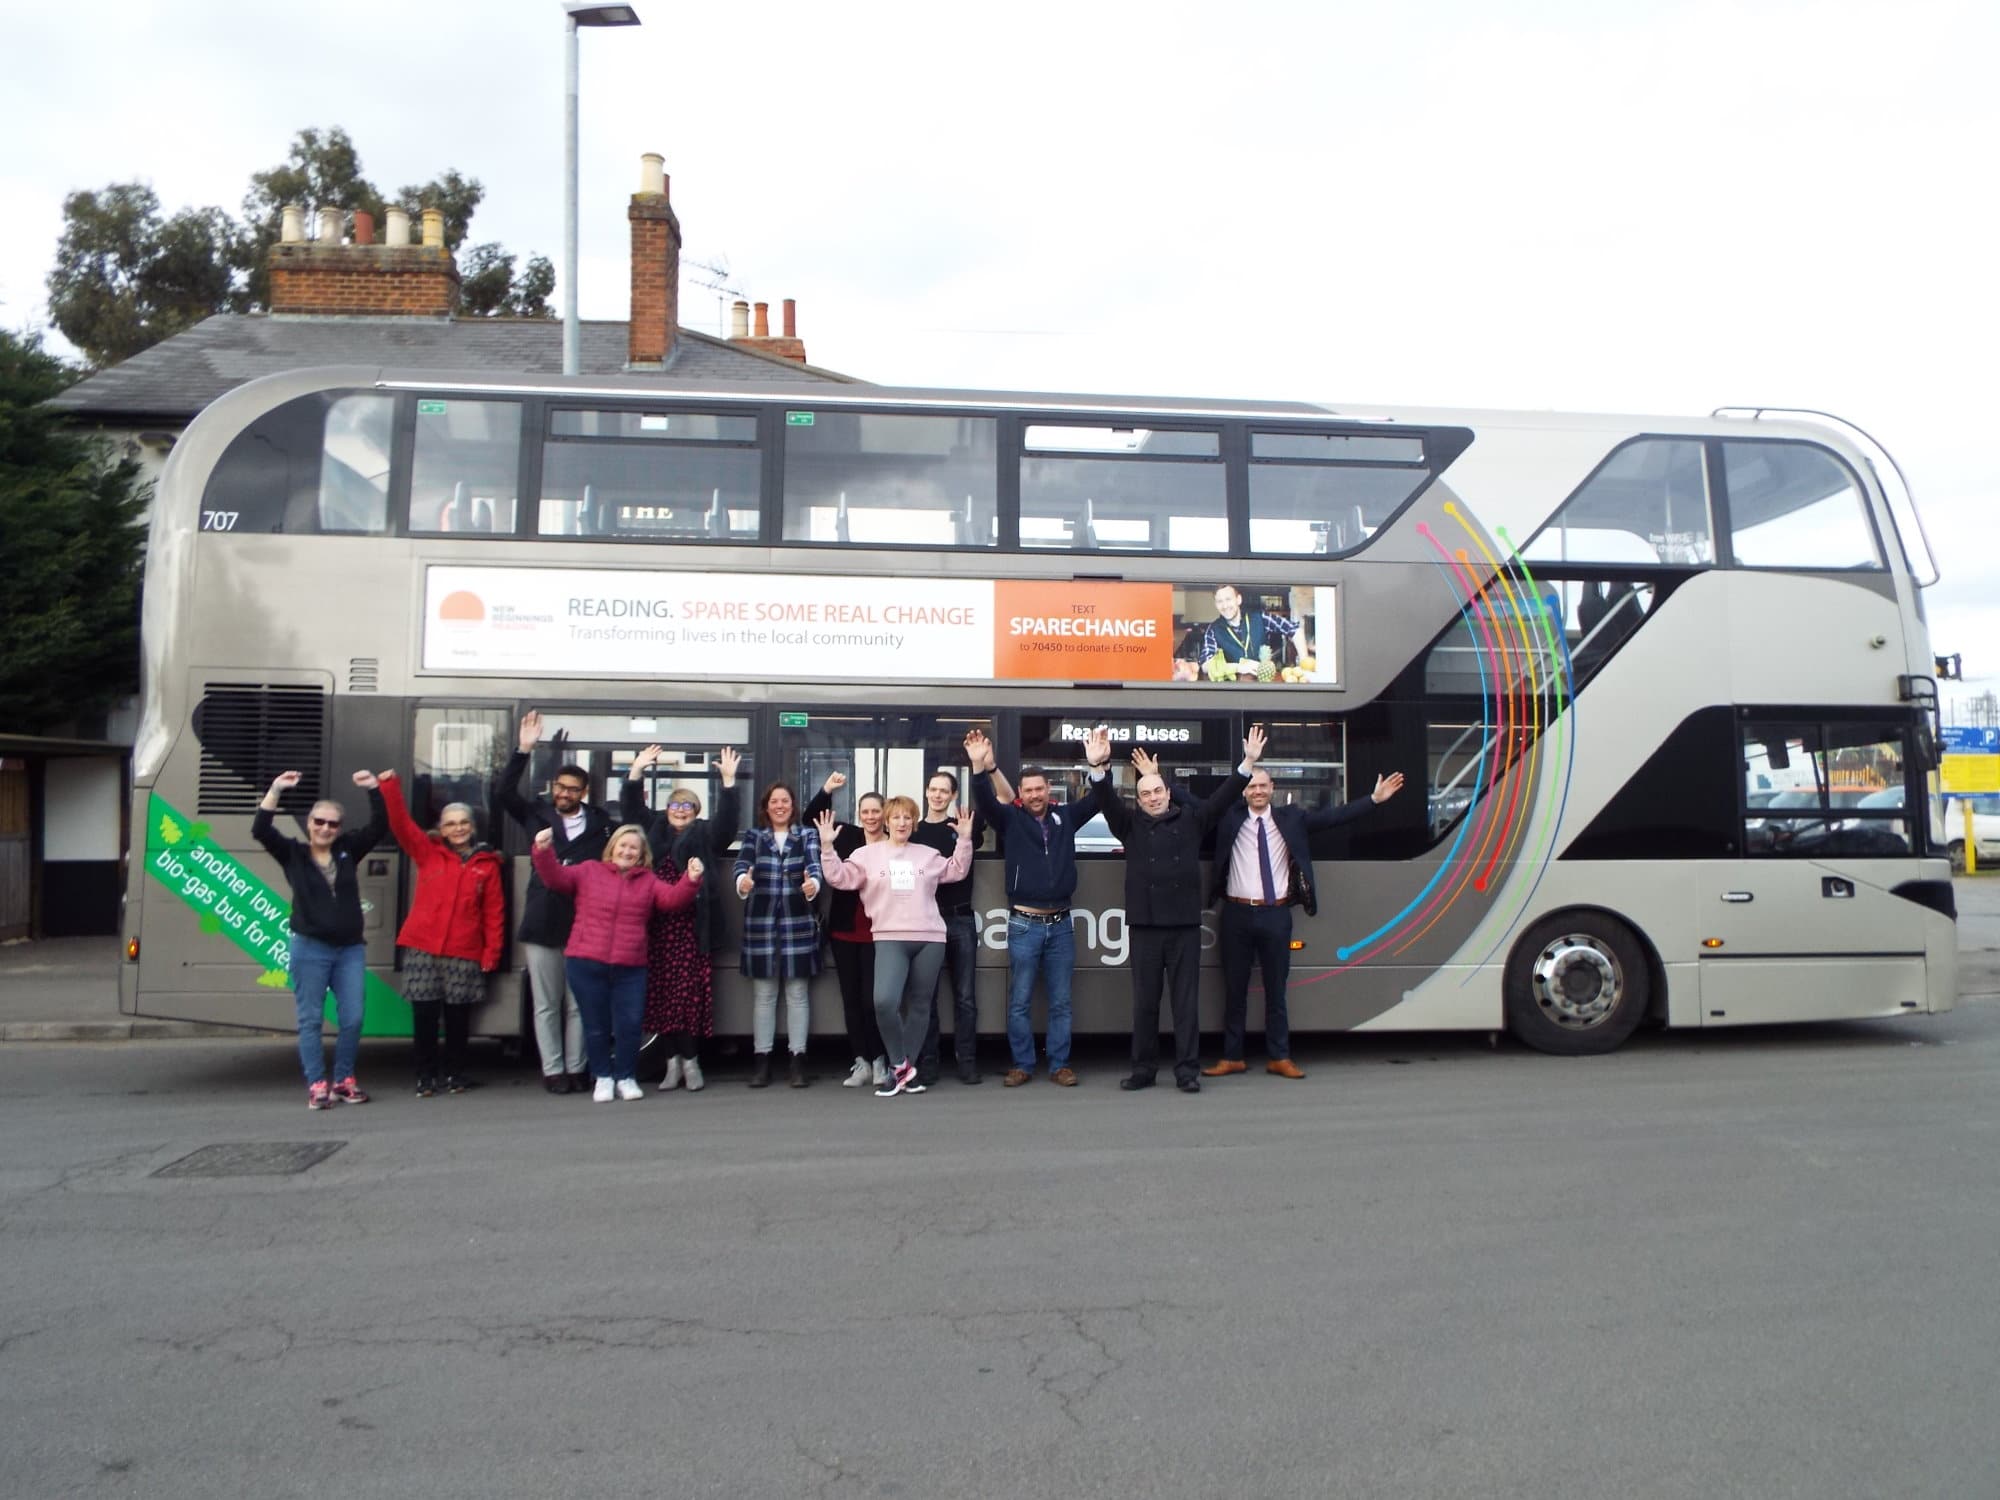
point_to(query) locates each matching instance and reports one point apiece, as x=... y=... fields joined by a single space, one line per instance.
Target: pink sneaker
x=347 y=1091
x=319 y=1096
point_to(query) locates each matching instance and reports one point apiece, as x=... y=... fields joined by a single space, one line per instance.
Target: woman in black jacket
x=680 y=983
x=326 y=949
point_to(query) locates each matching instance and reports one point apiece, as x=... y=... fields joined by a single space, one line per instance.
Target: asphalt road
x=1743 y=1264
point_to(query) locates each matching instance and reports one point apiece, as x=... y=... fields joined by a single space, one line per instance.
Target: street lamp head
x=589 y=13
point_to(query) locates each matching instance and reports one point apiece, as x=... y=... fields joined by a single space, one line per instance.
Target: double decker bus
x=1660 y=686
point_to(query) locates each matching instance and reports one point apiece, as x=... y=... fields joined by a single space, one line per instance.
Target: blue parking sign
x=1966 y=739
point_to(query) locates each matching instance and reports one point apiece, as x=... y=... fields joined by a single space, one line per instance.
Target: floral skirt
x=430 y=977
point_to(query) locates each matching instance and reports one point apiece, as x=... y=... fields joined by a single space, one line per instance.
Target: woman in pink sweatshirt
x=605 y=958
x=898 y=882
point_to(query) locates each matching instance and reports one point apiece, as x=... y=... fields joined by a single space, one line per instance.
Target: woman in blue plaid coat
x=777 y=873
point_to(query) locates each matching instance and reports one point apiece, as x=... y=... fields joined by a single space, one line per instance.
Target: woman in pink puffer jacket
x=605 y=958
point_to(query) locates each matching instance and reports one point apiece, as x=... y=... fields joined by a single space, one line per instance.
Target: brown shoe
x=1222 y=1068
x=1063 y=1078
x=1015 y=1078
x=1284 y=1067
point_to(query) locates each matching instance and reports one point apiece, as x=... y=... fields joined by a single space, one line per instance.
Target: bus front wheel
x=1576 y=984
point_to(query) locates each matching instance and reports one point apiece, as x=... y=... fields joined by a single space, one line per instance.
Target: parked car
x=1985 y=833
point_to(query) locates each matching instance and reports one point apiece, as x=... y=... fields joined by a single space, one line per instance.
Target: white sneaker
x=628 y=1090
x=881 y=1071
x=602 y=1093
x=673 y=1078
x=691 y=1071
x=858 y=1076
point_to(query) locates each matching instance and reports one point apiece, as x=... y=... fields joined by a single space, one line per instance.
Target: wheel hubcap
x=1577 y=981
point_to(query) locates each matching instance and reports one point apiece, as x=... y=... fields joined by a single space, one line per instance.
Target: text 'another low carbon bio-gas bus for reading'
x=1664 y=683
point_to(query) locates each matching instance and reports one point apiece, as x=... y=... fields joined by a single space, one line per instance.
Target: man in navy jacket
x=1040 y=840
x=1263 y=868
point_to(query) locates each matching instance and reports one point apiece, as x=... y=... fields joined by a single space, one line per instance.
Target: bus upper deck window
x=1794 y=505
x=1648 y=502
x=465 y=467
x=1325 y=493
x=866 y=478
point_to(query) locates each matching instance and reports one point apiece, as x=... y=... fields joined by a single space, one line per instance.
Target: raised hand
x=729 y=760
x=545 y=839
x=979 y=751
x=1146 y=765
x=286 y=780
x=531 y=730
x=646 y=759
x=1386 y=787
x=1097 y=746
x=1253 y=744
x=367 y=780
x=694 y=869
x=834 y=782
x=827 y=827
x=963 y=822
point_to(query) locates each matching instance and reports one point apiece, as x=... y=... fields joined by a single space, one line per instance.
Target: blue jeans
x=612 y=998
x=316 y=968
x=1047 y=950
x=961 y=948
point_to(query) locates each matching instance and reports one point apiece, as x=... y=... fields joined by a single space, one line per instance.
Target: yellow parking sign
x=1968 y=775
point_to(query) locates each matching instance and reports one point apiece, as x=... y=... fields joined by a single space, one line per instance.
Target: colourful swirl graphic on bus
x=1527 y=690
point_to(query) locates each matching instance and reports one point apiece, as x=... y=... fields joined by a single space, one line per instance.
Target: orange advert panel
x=1083 y=632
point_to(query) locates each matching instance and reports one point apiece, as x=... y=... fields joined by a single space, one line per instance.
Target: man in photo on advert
x=1244 y=644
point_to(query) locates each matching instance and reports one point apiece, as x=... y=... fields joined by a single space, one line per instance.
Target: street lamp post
x=579 y=13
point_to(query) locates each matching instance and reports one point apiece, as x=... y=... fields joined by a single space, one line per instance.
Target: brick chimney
x=656 y=269
x=324 y=278
x=787 y=345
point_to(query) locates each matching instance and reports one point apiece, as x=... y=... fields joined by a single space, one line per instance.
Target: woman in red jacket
x=605 y=958
x=451 y=938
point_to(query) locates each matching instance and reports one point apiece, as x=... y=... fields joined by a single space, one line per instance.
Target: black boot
x=760 y=1071
x=799 y=1079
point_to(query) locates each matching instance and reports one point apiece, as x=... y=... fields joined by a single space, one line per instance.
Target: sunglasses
x=325 y=822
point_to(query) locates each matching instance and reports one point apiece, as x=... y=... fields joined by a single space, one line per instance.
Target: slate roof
x=177 y=377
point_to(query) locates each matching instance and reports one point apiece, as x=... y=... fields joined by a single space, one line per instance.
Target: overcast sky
x=1654 y=205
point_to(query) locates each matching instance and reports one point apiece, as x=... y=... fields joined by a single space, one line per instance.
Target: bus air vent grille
x=250 y=732
x=364 y=674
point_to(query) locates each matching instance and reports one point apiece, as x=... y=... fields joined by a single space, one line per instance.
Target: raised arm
x=409 y=837
x=556 y=875
x=506 y=792
x=262 y=829
x=632 y=806
x=841 y=874
x=677 y=895
x=1332 y=814
x=1225 y=796
x=823 y=798
x=960 y=864
x=360 y=840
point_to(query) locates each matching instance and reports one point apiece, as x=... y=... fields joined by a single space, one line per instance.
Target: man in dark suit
x=1263 y=868
x=1163 y=906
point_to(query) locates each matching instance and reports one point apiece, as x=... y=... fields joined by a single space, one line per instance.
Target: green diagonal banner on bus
x=236 y=903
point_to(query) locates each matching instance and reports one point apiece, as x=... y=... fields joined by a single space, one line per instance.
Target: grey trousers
x=558 y=1023
x=906 y=974
x=764 y=1013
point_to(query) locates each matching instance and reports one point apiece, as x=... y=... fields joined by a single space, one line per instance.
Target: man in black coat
x=1263 y=868
x=580 y=831
x=1163 y=908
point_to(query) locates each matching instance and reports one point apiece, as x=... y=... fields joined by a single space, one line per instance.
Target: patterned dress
x=680 y=985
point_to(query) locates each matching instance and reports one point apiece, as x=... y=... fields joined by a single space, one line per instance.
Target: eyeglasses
x=324 y=822
x=571 y=787
x=683 y=807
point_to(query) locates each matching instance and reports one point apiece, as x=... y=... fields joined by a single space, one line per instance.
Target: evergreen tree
x=72 y=516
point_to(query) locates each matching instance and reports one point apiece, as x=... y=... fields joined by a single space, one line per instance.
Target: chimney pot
x=763 y=320
x=364 y=227
x=399 y=227
x=292 y=224
x=329 y=226
x=739 y=319
x=655 y=268
x=434 y=227
x=791 y=318
x=653 y=174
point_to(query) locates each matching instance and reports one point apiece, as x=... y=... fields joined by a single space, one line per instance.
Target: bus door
x=1805 y=924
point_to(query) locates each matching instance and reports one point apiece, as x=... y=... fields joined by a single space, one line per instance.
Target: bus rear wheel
x=1576 y=984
